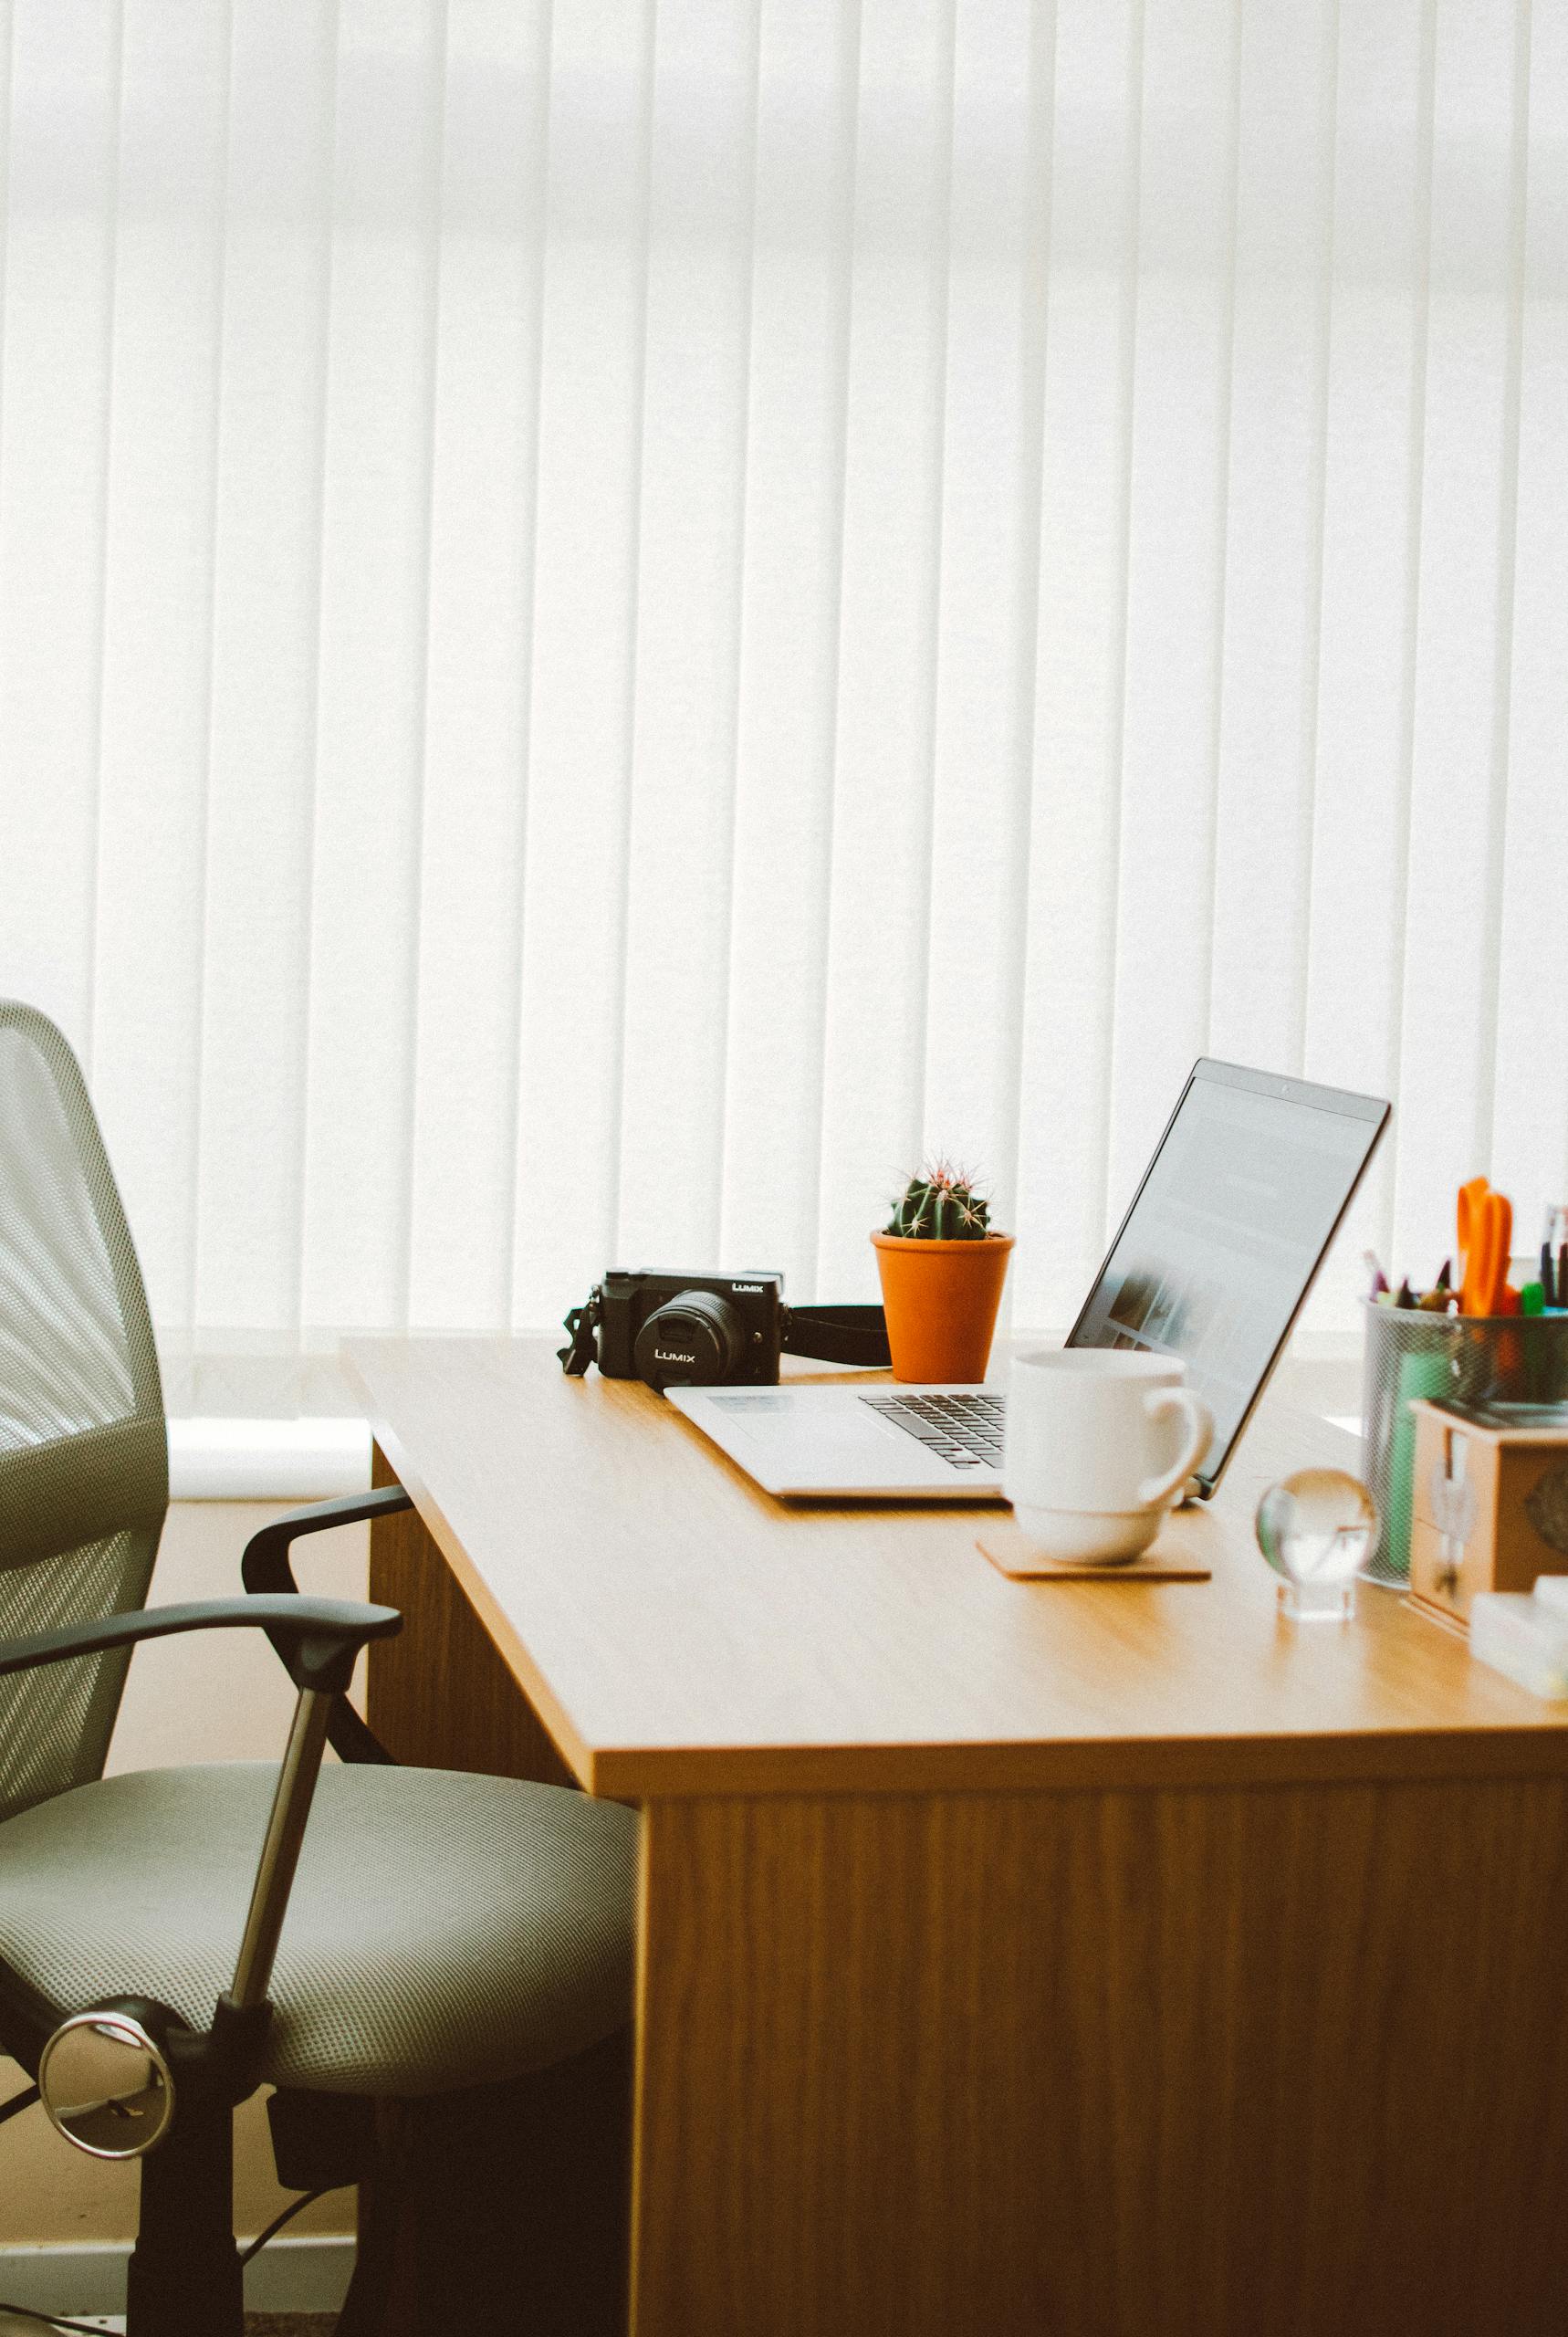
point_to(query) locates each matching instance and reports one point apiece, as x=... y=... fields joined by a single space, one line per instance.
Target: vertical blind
x=618 y=616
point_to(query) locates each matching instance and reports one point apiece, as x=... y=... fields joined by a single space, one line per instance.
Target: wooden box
x=1489 y=1503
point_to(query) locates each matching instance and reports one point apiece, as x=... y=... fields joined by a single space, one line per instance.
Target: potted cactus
x=942 y=1270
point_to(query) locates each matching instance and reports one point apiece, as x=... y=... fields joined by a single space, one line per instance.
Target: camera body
x=691 y=1330
x=679 y=1330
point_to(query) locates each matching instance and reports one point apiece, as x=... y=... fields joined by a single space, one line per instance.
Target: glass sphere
x=1317 y=1530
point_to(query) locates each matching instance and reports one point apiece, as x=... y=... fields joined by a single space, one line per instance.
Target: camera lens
x=694 y=1340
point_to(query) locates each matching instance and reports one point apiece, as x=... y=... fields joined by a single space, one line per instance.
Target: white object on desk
x=1093 y=1455
x=1525 y=1635
x=808 y=1442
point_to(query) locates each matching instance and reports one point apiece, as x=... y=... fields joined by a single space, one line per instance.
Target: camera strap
x=580 y=1326
x=826 y=1334
x=837 y=1334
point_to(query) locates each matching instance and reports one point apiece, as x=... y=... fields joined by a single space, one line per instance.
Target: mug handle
x=1154 y=1492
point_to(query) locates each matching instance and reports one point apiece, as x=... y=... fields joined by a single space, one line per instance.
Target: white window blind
x=615 y=617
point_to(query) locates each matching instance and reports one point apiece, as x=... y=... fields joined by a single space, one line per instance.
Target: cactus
x=942 y=1205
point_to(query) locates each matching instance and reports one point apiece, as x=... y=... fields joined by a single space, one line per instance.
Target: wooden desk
x=1089 y=1961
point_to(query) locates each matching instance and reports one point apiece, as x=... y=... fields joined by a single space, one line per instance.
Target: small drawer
x=1489 y=1501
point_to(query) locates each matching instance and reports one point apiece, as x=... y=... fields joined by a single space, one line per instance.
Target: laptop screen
x=1232 y=1220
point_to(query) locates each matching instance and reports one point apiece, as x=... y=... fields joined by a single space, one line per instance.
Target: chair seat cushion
x=445 y=1930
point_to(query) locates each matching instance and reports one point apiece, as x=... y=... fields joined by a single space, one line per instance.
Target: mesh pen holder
x=1470 y=1358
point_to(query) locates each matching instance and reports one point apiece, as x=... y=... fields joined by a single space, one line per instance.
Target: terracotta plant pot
x=941 y=1300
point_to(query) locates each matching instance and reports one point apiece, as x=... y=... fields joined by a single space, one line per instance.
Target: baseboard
x=309 y=2274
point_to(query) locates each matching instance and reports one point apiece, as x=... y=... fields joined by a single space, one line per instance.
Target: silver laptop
x=1213 y=1262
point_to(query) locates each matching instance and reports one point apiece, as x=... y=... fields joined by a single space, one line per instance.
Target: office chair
x=171 y=1941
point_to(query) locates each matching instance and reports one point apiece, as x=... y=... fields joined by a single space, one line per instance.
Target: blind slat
x=55 y=372
x=772 y=996
x=987 y=581
x=1070 y=953
x=1180 y=421
x=879 y=898
x=372 y=694
x=1531 y=1089
x=1457 y=785
x=690 y=534
x=485 y=459
x=245 y=1187
x=584 y=601
x=1273 y=535
x=1366 y=597
x=161 y=423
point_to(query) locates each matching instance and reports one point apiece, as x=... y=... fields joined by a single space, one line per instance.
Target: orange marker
x=1485 y=1222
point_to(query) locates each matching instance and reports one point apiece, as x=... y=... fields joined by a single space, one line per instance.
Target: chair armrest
x=265 y=1565
x=318 y=1638
x=265 y=1568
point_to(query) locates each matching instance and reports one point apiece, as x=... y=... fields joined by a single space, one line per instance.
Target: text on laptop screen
x=1227 y=1231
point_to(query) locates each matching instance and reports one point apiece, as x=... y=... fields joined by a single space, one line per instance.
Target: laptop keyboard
x=964 y=1431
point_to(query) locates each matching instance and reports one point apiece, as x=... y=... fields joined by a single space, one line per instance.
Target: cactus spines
x=941 y=1205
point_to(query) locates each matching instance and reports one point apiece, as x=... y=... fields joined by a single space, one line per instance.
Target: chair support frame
x=186 y=2273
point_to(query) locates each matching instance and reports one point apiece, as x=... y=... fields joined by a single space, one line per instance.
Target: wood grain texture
x=676 y=1630
x=1012 y=1554
x=1160 y=2064
x=439 y=1695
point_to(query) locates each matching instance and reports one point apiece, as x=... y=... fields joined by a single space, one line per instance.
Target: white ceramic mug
x=1099 y=1445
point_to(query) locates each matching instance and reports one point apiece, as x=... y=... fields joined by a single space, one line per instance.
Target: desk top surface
x=680 y=1632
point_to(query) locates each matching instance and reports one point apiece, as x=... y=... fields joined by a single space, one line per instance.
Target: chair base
x=508 y=2206
x=509 y=2203
x=185 y=2276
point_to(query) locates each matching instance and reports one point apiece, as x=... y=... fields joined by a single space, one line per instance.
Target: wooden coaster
x=1011 y=1555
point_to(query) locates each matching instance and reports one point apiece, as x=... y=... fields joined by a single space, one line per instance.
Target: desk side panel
x=440 y=1695
x=1168 y=2064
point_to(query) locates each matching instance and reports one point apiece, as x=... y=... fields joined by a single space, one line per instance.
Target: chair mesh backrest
x=84 y=1458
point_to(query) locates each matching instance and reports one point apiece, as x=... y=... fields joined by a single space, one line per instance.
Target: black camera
x=680 y=1330
x=691 y=1330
